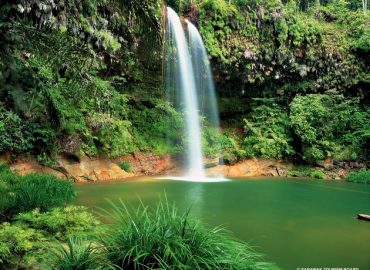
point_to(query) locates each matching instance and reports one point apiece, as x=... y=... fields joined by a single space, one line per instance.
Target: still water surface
x=296 y=223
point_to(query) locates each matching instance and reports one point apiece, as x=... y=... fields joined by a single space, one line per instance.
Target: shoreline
x=103 y=169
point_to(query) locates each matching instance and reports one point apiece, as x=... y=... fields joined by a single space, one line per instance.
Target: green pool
x=296 y=223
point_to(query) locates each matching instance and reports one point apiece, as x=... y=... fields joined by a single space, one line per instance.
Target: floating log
x=363 y=217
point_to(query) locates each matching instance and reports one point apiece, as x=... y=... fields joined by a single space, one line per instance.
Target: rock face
x=251 y=168
x=104 y=169
x=95 y=169
x=27 y=165
x=149 y=164
x=85 y=170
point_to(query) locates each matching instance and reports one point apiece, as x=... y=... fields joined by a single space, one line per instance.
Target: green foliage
x=115 y=137
x=218 y=21
x=92 y=71
x=267 y=131
x=363 y=42
x=60 y=223
x=78 y=254
x=26 y=243
x=57 y=76
x=362 y=176
x=232 y=150
x=326 y=124
x=211 y=142
x=161 y=238
x=126 y=166
x=156 y=127
x=34 y=191
x=14 y=134
x=301 y=171
x=317 y=175
x=17 y=245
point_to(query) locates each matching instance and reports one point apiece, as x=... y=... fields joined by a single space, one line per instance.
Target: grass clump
x=78 y=254
x=126 y=166
x=362 y=176
x=161 y=238
x=33 y=191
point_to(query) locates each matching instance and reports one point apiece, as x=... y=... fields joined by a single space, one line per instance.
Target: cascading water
x=188 y=79
x=180 y=78
x=203 y=78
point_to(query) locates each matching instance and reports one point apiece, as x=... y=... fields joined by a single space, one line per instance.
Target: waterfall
x=203 y=78
x=190 y=87
x=180 y=79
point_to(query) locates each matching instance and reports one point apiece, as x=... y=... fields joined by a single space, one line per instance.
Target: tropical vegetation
x=86 y=78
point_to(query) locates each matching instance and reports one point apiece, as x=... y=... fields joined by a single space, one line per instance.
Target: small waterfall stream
x=190 y=87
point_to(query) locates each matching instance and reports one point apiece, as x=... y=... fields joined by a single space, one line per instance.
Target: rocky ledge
x=104 y=169
x=93 y=169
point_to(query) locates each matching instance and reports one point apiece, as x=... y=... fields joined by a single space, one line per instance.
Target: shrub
x=160 y=238
x=156 y=128
x=124 y=165
x=17 y=244
x=324 y=123
x=211 y=142
x=115 y=137
x=35 y=191
x=14 y=133
x=318 y=175
x=232 y=151
x=267 y=131
x=77 y=254
x=362 y=176
x=300 y=171
x=60 y=223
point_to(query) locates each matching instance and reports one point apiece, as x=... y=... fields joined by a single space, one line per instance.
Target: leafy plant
x=232 y=150
x=318 y=175
x=300 y=171
x=126 y=166
x=343 y=119
x=60 y=223
x=267 y=131
x=362 y=176
x=17 y=244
